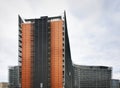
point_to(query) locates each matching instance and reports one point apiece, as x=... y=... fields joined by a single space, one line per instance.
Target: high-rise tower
x=44 y=53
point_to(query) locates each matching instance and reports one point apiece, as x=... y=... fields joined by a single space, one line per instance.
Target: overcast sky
x=93 y=26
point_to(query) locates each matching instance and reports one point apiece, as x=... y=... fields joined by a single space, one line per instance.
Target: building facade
x=115 y=83
x=3 y=85
x=92 y=76
x=14 y=77
x=44 y=53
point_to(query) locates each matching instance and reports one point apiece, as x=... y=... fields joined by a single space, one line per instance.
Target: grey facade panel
x=40 y=60
x=68 y=62
x=20 y=21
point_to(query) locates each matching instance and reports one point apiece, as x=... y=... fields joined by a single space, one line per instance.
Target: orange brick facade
x=26 y=55
x=56 y=54
x=56 y=59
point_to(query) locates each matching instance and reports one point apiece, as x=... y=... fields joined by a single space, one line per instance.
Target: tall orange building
x=44 y=53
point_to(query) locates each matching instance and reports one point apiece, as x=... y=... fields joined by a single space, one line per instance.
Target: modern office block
x=76 y=77
x=44 y=53
x=14 y=77
x=115 y=83
x=92 y=76
x=3 y=85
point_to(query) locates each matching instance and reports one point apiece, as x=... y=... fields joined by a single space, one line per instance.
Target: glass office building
x=115 y=83
x=14 y=77
x=92 y=76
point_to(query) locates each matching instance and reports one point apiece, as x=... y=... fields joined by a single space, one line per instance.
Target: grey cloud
x=83 y=9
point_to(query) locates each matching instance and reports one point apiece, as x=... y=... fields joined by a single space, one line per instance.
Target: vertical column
x=40 y=65
x=56 y=54
x=26 y=55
